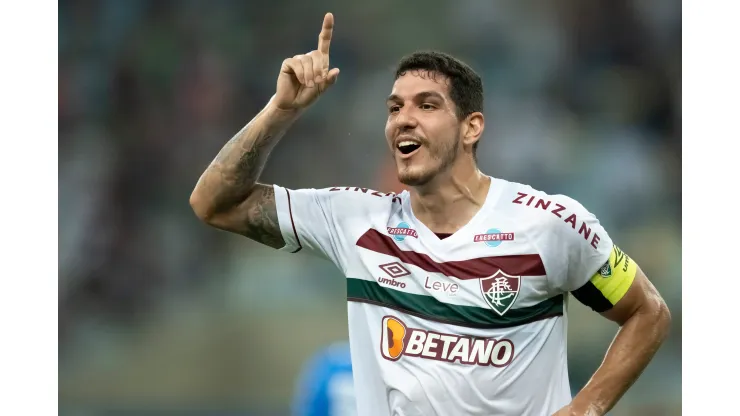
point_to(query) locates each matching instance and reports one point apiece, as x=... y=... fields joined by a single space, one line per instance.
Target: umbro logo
x=395 y=269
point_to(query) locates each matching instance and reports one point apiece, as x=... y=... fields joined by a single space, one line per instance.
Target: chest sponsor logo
x=399 y=340
x=493 y=237
x=448 y=288
x=500 y=291
x=401 y=231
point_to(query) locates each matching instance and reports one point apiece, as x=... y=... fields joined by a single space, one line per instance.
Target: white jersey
x=472 y=324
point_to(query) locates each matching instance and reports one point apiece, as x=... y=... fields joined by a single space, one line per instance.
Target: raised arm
x=228 y=196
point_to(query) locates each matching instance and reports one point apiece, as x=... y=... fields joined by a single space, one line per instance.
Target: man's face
x=422 y=130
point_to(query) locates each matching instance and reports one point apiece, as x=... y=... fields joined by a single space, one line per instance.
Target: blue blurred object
x=325 y=387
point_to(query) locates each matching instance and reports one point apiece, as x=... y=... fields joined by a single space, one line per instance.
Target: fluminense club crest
x=500 y=291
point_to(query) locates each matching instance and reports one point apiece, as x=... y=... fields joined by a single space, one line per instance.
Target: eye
x=427 y=106
x=394 y=109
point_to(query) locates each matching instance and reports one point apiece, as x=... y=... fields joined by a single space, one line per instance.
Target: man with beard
x=456 y=289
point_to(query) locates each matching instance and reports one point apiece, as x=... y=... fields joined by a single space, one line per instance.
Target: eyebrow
x=421 y=95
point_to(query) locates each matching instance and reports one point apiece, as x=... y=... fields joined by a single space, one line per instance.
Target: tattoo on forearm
x=236 y=202
x=238 y=170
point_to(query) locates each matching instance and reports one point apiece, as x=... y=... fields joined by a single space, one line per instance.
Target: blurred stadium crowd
x=159 y=311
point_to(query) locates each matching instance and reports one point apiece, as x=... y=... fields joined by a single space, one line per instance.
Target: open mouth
x=407 y=146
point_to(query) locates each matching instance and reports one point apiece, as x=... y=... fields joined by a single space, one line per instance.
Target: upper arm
x=641 y=296
x=572 y=243
x=581 y=258
x=613 y=284
x=602 y=276
x=255 y=218
x=318 y=220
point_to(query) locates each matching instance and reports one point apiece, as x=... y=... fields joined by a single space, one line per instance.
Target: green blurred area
x=158 y=311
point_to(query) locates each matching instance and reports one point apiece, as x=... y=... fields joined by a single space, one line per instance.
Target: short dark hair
x=466 y=87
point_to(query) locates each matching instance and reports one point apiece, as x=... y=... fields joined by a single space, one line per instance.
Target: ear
x=473 y=126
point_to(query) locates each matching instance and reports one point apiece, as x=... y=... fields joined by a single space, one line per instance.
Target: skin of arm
x=228 y=196
x=644 y=321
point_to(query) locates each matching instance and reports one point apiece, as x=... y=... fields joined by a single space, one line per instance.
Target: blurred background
x=160 y=314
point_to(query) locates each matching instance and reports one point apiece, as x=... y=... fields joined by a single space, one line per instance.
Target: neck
x=451 y=199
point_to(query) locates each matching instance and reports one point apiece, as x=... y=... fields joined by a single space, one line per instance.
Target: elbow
x=661 y=317
x=202 y=207
x=665 y=317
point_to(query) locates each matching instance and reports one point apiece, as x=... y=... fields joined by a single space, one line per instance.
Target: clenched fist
x=304 y=77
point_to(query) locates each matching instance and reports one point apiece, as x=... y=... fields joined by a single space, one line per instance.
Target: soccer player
x=456 y=289
x=325 y=387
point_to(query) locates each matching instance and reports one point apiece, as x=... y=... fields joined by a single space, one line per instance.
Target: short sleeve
x=574 y=244
x=581 y=258
x=325 y=222
x=307 y=222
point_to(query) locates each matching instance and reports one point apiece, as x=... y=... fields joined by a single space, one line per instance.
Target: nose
x=405 y=121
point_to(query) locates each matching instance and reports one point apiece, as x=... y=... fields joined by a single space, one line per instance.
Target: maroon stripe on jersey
x=514 y=265
x=292 y=222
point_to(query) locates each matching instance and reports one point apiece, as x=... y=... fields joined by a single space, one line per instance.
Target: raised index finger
x=325 y=35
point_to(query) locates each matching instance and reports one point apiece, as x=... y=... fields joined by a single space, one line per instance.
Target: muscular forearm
x=231 y=176
x=631 y=351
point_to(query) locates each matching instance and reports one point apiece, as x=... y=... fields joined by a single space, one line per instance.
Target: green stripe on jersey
x=427 y=307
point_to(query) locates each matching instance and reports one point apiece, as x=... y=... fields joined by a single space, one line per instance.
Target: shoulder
x=339 y=203
x=362 y=195
x=354 y=205
x=344 y=196
x=553 y=214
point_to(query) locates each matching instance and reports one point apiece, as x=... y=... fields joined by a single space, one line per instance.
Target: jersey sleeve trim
x=286 y=221
x=610 y=283
x=292 y=223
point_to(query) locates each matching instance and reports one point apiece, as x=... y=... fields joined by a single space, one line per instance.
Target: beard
x=438 y=159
